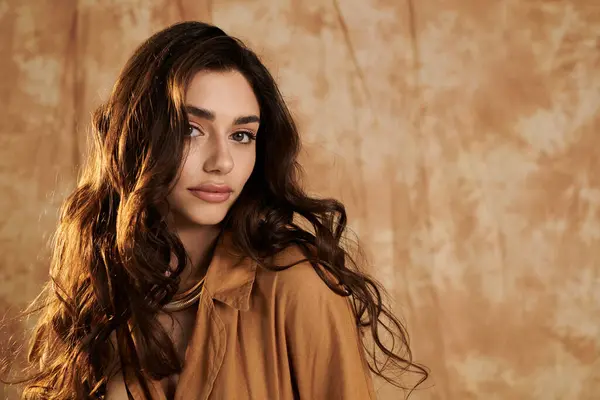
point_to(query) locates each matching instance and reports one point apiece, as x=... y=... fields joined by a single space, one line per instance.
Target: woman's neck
x=199 y=243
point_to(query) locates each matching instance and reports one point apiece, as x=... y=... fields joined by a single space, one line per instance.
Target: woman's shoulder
x=301 y=279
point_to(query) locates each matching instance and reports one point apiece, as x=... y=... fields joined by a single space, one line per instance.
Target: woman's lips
x=211 y=197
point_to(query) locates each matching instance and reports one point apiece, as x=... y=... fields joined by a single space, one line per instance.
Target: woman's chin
x=208 y=217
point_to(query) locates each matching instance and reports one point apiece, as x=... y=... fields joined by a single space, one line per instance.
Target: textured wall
x=463 y=136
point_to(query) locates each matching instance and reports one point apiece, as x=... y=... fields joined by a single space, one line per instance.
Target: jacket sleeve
x=324 y=348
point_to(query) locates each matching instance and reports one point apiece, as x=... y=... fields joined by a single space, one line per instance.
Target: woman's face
x=224 y=119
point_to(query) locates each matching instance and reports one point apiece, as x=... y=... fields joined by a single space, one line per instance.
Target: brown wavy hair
x=112 y=245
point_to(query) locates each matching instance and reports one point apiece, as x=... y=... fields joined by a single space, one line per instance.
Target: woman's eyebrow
x=210 y=115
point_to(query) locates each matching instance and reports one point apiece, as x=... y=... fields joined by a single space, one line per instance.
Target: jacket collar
x=230 y=276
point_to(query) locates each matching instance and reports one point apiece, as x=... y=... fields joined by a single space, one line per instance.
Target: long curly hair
x=112 y=245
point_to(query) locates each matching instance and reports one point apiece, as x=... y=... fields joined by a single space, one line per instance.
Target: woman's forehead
x=223 y=94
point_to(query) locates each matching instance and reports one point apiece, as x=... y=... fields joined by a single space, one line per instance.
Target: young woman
x=181 y=269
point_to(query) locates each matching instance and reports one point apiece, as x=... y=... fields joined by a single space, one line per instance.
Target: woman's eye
x=193 y=131
x=240 y=135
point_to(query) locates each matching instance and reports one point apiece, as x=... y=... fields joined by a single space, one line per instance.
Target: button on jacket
x=268 y=335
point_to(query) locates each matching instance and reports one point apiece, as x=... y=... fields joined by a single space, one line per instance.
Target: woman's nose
x=219 y=158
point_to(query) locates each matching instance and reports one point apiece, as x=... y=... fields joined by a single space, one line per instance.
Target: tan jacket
x=271 y=336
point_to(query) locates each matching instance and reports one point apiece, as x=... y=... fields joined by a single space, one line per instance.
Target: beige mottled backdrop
x=463 y=135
